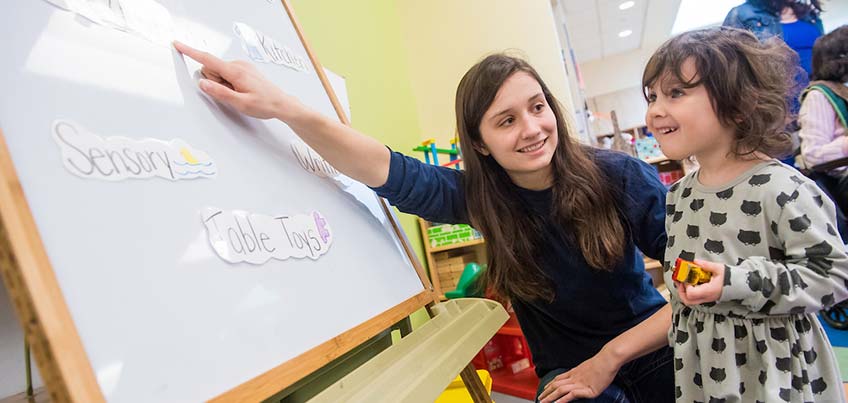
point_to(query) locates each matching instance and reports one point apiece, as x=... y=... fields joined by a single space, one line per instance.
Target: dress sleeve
x=808 y=274
x=430 y=192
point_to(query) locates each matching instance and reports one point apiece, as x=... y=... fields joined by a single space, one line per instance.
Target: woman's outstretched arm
x=239 y=85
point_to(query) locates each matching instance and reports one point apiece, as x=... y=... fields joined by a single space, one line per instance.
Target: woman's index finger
x=206 y=59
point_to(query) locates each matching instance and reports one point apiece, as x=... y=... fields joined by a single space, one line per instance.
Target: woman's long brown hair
x=583 y=203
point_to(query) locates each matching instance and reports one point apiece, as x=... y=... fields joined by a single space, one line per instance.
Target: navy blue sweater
x=591 y=307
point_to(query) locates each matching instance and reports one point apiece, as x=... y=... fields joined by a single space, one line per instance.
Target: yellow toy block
x=689 y=273
x=456 y=392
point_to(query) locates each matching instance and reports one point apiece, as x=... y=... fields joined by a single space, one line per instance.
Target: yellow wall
x=445 y=38
x=360 y=41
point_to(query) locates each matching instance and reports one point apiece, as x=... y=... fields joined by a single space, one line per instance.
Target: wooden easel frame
x=50 y=330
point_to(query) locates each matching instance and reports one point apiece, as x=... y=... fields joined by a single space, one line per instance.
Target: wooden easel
x=417 y=368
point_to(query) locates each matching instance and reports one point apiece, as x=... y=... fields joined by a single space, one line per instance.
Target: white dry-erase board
x=159 y=246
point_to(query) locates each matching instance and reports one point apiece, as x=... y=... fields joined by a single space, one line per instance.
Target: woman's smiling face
x=519 y=130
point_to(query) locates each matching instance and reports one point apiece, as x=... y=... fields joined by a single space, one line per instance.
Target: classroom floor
x=839 y=341
x=501 y=398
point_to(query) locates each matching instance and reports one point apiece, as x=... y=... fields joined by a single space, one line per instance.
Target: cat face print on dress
x=714 y=247
x=696 y=204
x=759 y=180
x=783 y=198
x=751 y=208
x=725 y=194
x=800 y=224
x=717 y=218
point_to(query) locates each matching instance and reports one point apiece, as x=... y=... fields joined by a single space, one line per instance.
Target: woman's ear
x=481 y=148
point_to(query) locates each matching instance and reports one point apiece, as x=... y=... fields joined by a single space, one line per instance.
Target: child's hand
x=706 y=292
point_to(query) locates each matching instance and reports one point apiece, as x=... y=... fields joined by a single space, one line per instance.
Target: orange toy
x=690 y=273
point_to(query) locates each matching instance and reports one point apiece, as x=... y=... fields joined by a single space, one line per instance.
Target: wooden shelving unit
x=654 y=268
x=457 y=246
x=474 y=249
x=634 y=131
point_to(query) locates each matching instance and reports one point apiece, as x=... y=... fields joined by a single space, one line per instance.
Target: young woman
x=562 y=222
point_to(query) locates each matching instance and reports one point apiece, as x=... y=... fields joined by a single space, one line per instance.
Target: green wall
x=363 y=42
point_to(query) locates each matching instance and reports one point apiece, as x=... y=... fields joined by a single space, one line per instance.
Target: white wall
x=615 y=83
x=629 y=106
x=835 y=14
x=616 y=73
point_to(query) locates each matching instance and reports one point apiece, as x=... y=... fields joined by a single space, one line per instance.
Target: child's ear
x=481 y=148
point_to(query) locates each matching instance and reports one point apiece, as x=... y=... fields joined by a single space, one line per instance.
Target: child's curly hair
x=749 y=82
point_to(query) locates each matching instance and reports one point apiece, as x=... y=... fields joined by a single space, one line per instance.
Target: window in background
x=694 y=14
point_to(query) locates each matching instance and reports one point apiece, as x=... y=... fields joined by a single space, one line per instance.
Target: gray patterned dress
x=775 y=232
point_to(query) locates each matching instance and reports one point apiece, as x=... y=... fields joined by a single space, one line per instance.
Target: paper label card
x=263 y=49
x=144 y=18
x=104 y=12
x=90 y=156
x=311 y=161
x=238 y=236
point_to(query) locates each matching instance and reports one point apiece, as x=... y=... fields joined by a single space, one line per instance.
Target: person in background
x=824 y=115
x=798 y=23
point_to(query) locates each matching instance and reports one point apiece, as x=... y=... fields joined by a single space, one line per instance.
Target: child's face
x=683 y=119
x=519 y=131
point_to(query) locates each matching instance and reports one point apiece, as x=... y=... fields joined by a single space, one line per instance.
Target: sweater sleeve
x=644 y=198
x=431 y=192
x=819 y=142
x=810 y=272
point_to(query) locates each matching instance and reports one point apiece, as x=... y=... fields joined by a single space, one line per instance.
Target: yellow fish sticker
x=187 y=156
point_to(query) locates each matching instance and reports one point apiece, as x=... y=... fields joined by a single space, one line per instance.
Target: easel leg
x=28 y=370
x=474 y=385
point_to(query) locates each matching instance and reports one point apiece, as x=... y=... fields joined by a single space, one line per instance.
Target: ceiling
x=594 y=26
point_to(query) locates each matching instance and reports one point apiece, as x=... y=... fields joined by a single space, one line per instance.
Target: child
x=824 y=112
x=765 y=232
x=562 y=221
